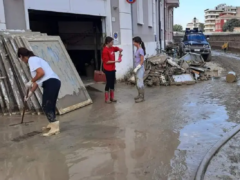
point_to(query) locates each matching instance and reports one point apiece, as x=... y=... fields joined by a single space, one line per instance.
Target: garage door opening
x=81 y=35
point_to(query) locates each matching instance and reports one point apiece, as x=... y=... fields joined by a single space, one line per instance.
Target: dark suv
x=195 y=41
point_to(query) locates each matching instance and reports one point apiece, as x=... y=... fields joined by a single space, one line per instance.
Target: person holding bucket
x=108 y=59
x=139 y=67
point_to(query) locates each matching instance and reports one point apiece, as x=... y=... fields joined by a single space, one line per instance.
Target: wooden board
x=33 y=103
x=73 y=93
x=10 y=76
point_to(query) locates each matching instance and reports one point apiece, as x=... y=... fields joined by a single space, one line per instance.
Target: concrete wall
x=144 y=30
x=2 y=16
x=14 y=14
x=115 y=19
x=217 y=41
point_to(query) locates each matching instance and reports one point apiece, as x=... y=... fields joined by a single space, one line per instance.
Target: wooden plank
x=33 y=104
x=11 y=77
x=2 y=105
x=5 y=96
x=19 y=76
x=73 y=93
x=38 y=92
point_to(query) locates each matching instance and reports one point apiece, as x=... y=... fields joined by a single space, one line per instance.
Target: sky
x=189 y=9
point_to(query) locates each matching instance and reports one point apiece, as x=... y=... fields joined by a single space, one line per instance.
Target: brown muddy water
x=164 y=138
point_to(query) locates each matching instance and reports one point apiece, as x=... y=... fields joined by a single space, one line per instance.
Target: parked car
x=196 y=42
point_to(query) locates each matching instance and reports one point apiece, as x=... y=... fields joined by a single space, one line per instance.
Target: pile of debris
x=14 y=73
x=164 y=70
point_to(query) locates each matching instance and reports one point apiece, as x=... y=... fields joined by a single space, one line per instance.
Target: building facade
x=194 y=24
x=224 y=17
x=221 y=20
x=82 y=25
x=212 y=15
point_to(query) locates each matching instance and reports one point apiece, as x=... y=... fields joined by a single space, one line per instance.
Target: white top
x=35 y=63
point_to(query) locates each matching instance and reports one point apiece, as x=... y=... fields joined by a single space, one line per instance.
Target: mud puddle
x=164 y=138
x=218 y=53
x=196 y=139
x=26 y=136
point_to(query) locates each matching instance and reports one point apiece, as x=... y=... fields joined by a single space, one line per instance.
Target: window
x=150 y=13
x=196 y=37
x=140 y=12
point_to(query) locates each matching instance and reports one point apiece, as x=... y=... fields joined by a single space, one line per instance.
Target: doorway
x=81 y=35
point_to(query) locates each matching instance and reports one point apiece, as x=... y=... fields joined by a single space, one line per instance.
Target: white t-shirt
x=35 y=63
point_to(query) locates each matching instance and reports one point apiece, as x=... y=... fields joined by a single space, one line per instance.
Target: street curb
x=214 y=150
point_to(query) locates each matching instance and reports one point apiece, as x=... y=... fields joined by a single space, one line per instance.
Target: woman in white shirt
x=43 y=75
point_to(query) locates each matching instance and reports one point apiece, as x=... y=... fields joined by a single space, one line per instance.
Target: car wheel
x=207 y=58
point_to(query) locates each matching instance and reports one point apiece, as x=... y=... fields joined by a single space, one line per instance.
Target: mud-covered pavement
x=163 y=138
x=225 y=164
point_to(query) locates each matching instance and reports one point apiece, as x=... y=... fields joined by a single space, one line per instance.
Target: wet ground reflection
x=163 y=138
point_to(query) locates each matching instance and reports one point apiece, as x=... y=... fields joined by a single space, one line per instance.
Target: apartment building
x=211 y=16
x=82 y=25
x=224 y=17
x=194 y=24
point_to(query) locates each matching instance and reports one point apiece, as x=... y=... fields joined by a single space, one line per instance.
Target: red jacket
x=108 y=54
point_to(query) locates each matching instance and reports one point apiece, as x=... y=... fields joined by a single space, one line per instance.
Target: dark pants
x=51 y=89
x=110 y=77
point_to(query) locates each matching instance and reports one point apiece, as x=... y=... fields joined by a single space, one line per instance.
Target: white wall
x=126 y=39
x=2 y=16
x=90 y=7
x=150 y=48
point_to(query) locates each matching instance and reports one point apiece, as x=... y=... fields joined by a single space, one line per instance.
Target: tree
x=201 y=27
x=231 y=24
x=178 y=28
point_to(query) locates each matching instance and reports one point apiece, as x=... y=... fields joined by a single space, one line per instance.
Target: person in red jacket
x=108 y=58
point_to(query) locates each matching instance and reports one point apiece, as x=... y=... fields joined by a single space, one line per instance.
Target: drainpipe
x=164 y=39
x=132 y=33
x=160 y=25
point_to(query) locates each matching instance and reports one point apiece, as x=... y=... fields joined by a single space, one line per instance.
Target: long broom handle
x=25 y=106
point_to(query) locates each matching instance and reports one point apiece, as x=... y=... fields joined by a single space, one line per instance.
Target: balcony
x=173 y=3
x=209 y=28
x=209 y=23
x=210 y=19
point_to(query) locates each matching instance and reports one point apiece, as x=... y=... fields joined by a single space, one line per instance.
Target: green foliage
x=178 y=28
x=231 y=24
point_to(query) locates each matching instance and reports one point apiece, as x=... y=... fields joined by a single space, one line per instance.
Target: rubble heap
x=164 y=70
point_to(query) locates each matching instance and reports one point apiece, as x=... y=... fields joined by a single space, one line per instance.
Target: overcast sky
x=195 y=8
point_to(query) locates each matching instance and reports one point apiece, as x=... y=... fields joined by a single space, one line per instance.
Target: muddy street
x=164 y=138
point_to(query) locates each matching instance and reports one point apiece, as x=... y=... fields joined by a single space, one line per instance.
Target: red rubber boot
x=112 y=96
x=107 y=98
